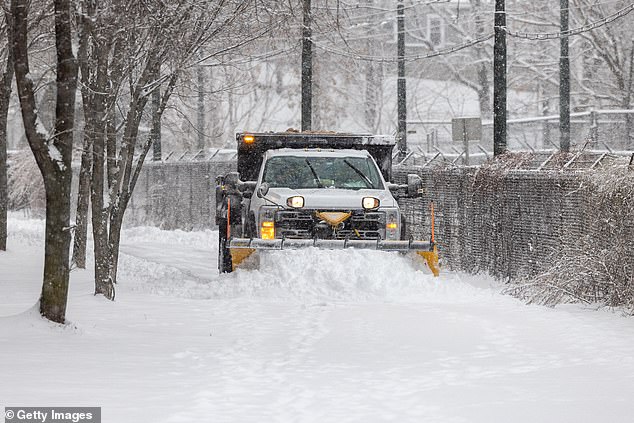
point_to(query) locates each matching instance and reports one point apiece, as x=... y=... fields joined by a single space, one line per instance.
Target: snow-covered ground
x=312 y=336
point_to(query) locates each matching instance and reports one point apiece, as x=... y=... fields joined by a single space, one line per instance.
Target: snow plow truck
x=311 y=189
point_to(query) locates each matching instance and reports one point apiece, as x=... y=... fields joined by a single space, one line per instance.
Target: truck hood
x=332 y=198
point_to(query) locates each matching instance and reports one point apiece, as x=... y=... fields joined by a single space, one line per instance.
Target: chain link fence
x=510 y=218
x=177 y=195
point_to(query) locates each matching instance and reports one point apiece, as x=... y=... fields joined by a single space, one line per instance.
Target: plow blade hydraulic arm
x=243 y=247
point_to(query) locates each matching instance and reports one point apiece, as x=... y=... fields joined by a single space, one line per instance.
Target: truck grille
x=304 y=224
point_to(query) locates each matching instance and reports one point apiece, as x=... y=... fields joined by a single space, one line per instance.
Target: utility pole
x=564 y=80
x=401 y=89
x=307 y=69
x=499 y=80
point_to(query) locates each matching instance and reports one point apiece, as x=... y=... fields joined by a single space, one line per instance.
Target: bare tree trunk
x=104 y=284
x=54 y=296
x=373 y=78
x=56 y=249
x=83 y=200
x=93 y=52
x=53 y=155
x=5 y=97
x=4 y=192
x=371 y=100
x=83 y=191
x=484 y=91
x=200 y=123
x=112 y=164
x=629 y=119
x=116 y=223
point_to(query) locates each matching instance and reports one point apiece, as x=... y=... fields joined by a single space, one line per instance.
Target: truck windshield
x=322 y=172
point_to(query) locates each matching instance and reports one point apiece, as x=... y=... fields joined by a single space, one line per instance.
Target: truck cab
x=325 y=194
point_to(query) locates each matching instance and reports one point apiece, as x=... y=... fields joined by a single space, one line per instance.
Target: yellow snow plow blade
x=241 y=248
x=238 y=255
x=431 y=257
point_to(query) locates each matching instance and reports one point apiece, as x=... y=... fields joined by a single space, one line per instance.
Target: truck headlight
x=296 y=202
x=370 y=203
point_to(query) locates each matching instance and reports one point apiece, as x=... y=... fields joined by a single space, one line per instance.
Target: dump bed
x=251 y=147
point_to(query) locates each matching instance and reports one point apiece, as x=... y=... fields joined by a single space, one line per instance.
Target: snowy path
x=311 y=336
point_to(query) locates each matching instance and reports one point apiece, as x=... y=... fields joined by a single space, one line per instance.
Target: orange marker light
x=268 y=230
x=392 y=225
x=248 y=139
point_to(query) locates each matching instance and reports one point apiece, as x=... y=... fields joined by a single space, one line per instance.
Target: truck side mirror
x=395 y=189
x=247 y=188
x=263 y=189
x=235 y=185
x=414 y=186
x=232 y=180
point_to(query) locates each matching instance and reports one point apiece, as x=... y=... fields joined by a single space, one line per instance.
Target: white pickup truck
x=296 y=190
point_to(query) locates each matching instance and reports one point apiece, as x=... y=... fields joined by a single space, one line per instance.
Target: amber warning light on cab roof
x=248 y=139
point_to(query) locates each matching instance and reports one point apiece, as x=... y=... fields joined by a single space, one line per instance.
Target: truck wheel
x=224 y=254
x=404 y=235
x=252 y=229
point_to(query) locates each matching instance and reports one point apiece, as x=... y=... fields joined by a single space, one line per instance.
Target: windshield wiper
x=312 y=169
x=367 y=180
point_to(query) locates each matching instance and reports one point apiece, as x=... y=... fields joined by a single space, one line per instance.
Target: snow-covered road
x=312 y=336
